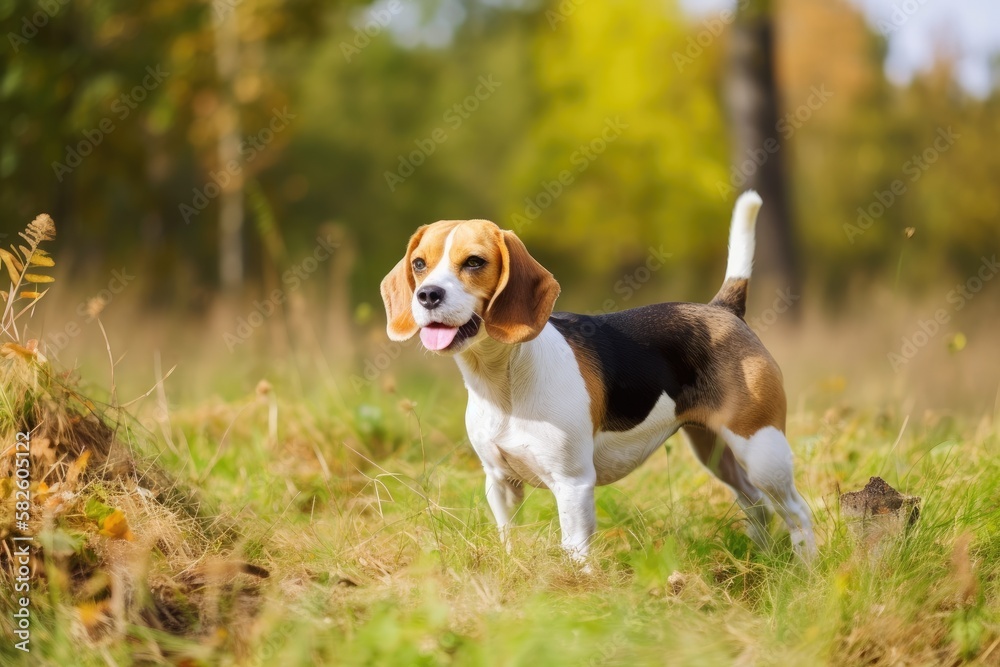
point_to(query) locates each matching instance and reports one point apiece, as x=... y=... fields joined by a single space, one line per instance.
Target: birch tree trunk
x=753 y=105
x=231 y=213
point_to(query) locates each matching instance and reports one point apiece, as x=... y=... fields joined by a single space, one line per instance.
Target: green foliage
x=642 y=139
x=662 y=181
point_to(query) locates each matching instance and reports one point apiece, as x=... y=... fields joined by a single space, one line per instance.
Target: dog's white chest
x=536 y=421
x=617 y=453
x=541 y=422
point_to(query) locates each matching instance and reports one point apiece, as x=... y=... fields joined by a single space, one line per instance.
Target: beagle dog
x=569 y=402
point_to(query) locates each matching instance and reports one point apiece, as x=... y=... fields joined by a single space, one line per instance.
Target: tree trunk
x=752 y=98
x=231 y=199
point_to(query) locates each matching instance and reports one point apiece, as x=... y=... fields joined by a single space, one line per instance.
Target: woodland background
x=204 y=149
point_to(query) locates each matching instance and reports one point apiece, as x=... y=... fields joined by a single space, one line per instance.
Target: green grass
x=369 y=513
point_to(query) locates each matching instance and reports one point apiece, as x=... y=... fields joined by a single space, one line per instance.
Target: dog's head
x=461 y=280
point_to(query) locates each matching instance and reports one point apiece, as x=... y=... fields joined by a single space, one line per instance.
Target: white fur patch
x=458 y=305
x=767 y=459
x=617 y=453
x=741 y=235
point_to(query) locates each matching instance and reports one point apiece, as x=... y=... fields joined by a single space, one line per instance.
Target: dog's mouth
x=438 y=337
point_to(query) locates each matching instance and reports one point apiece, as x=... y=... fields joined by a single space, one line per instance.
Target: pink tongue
x=438 y=338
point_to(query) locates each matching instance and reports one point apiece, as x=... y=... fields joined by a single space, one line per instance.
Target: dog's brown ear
x=524 y=296
x=397 y=294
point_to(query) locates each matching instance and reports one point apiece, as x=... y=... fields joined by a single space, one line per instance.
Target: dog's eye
x=419 y=264
x=474 y=262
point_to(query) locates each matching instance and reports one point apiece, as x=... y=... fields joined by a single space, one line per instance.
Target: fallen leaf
x=115 y=526
x=92 y=614
x=97 y=511
x=43 y=449
x=13 y=350
x=77 y=467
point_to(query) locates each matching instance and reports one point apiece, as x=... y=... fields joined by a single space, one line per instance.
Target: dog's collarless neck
x=486 y=369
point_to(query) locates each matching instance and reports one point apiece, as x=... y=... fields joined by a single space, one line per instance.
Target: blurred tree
x=758 y=133
x=623 y=159
x=412 y=113
x=869 y=135
x=111 y=113
x=226 y=33
x=600 y=138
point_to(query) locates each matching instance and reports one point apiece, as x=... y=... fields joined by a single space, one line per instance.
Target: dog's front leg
x=577 y=514
x=503 y=498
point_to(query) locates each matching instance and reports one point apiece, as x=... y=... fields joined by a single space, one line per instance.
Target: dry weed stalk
x=18 y=261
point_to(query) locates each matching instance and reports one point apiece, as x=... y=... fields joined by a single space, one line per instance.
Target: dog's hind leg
x=715 y=455
x=767 y=458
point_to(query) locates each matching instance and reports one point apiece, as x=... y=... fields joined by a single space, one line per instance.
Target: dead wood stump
x=878 y=512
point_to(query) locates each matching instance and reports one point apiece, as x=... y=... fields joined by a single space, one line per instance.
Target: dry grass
x=365 y=506
x=119 y=544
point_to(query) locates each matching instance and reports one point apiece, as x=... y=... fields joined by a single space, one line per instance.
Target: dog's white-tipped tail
x=741 y=235
x=733 y=294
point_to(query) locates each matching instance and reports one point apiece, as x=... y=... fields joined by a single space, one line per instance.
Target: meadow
x=211 y=453
x=254 y=508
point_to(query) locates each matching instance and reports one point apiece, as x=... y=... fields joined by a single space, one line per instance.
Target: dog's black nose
x=430 y=296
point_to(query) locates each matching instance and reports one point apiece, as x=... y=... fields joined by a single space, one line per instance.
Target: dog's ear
x=524 y=296
x=397 y=294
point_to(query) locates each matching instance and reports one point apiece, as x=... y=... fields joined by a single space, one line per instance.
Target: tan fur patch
x=748 y=380
x=593 y=378
x=478 y=238
x=759 y=396
x=430 y=248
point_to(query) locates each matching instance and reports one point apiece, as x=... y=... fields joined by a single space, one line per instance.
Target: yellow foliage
x=622 y=121
x=41 y=258
x=12 y=263
x=17 y=260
